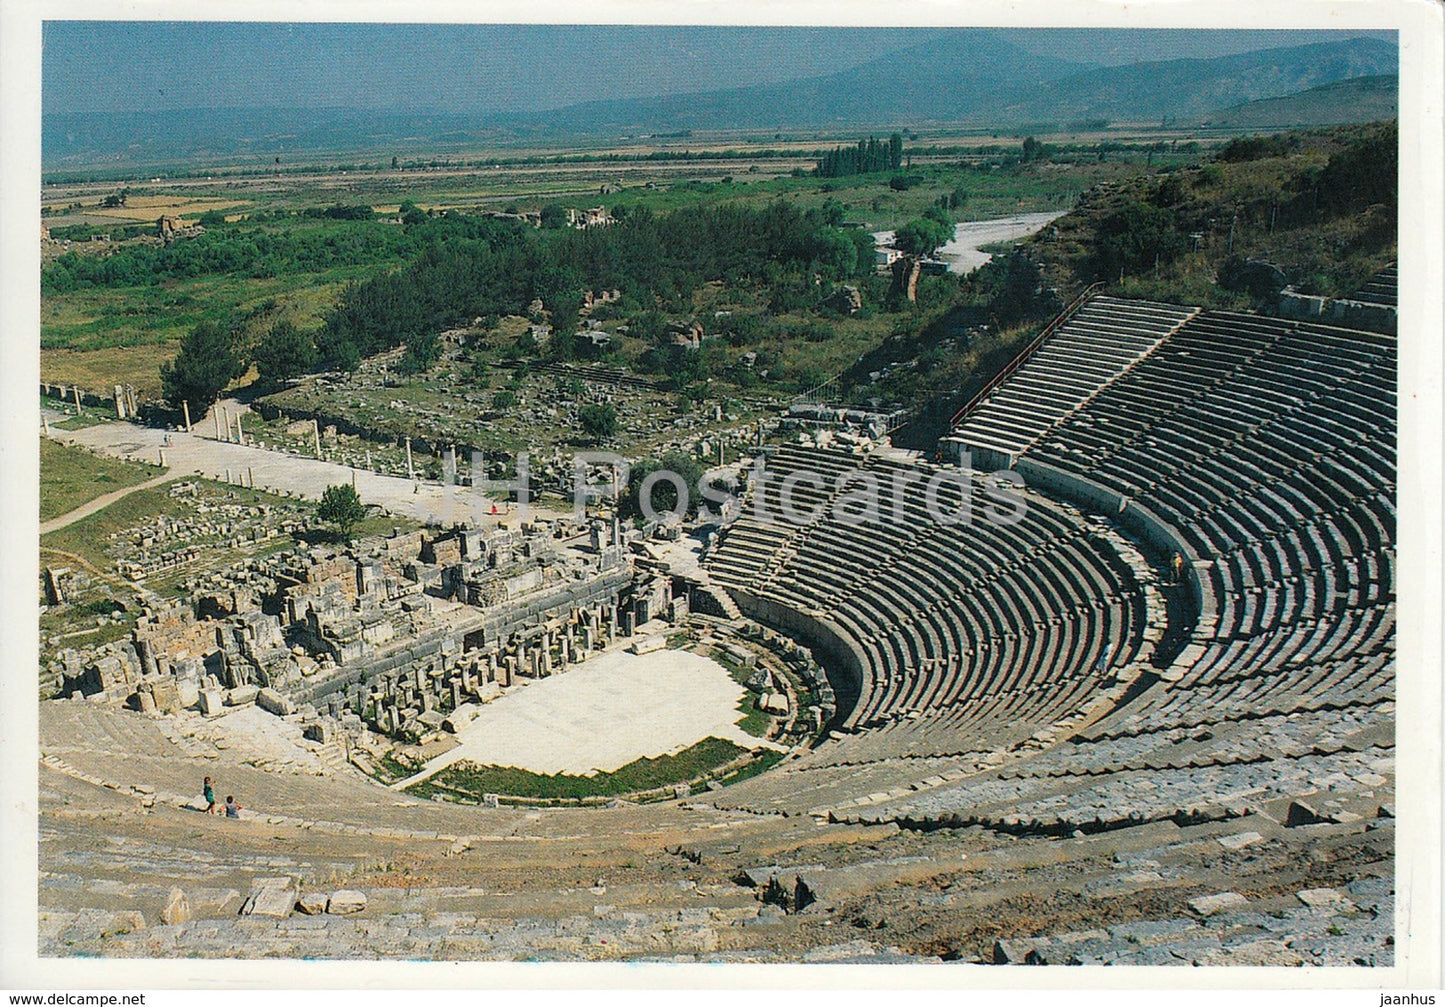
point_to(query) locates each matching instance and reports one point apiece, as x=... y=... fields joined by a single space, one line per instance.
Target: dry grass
x=98 y=369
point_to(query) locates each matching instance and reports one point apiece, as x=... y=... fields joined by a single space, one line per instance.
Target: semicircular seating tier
x=948 y=637
x=1267 y=449
x=1263 y=452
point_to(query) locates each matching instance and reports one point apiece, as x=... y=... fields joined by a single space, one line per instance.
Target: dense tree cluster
x=282 y=352
x=254 y=252
x=1253 y=148
x=498 y=268
x=868 y=156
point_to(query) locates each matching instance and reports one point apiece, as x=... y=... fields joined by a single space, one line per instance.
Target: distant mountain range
x=1358 y=99
x=945 y=79
x=978 y=77
x=1186 y=88
x=972 y=77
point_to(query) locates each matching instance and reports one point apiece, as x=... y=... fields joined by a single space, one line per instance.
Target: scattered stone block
x=127 y=921
x=1012 y=952
x=212 y=702
x=1318 y=898
x=1302 y=813
x=271 y=897
x=1208 y=905
x=188 y=693
x=346 y=902
x=273 y=702
x=773 y=702
x=178 y=908
x=242 y=695
x=1239 y=840
x=312 y=903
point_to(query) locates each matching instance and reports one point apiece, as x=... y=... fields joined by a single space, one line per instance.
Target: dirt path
x=100 y=503
x=964 y=251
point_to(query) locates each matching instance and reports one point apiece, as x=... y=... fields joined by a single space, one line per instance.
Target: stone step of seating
x=1102 y=341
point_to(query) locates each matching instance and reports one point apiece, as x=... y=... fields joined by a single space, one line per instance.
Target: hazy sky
x=118 y=65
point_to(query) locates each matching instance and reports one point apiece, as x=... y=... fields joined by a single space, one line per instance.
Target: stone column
x=316 y=436
x=75 y=390
x=216 y=416
x=240 y=435
x=410 y=470
x=186 y=409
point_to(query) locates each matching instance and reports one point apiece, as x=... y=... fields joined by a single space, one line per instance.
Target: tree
x=284 y=352
x=664 y=491
x=205 y=364
x=340 y=505
x=553 y=216
x=598 y=420
x=422 y=351
x=922 y=236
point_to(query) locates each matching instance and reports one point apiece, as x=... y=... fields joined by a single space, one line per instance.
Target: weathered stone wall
x=847 y=670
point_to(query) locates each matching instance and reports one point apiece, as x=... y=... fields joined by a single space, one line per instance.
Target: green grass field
x=71 y=476
x=472 y=782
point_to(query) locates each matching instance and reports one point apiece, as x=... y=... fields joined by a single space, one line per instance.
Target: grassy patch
x=767 y=760
x=641 y=774
x=71 y=476
x=754 y=721
x=87 y=537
